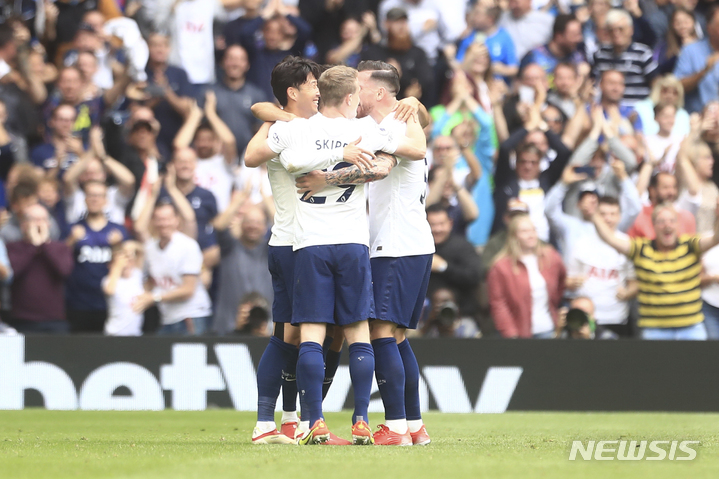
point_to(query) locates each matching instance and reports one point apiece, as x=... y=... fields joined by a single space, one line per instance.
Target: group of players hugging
x=335 y=279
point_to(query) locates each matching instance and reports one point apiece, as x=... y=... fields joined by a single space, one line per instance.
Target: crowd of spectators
x=572 y=191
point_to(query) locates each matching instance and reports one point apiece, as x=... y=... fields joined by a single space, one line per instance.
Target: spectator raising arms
x=670 y=263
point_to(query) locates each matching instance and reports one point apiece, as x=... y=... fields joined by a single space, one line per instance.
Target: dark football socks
x=310 y=371
x=390 y=377
x=289 y=382
x=269 y=376
x=361 y=358
x=411 y=381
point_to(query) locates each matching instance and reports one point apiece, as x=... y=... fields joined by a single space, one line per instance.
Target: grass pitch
x=216 y=444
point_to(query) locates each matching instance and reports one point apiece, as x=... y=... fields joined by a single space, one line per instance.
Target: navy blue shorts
x=400 y=286
x=281 y=263
x=333 y=284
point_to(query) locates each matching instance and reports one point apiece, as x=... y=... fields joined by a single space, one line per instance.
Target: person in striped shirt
x=634 y=60
x=668 y=270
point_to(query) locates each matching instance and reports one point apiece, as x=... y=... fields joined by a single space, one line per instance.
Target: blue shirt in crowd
x=692 y=59
x=92 y=258
x=500 y=46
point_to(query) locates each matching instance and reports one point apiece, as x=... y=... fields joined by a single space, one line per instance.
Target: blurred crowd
x=123 y=125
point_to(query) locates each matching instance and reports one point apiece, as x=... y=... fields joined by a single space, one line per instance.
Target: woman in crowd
x=682 y=31
x=666 y=90
x=476 y=67
x=526 y=284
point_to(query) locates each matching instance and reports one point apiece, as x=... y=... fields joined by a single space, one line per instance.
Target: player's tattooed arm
x=315 y=181
x=352 y=175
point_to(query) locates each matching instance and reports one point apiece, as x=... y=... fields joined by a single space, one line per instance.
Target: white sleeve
x=375 y=138
x=120 y=201
x=279 y=137
x=574 y=267
x=192 y=263
x=690 y=202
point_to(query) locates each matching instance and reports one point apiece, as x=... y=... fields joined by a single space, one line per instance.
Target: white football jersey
x=180 y=257
x=337 y=214
x=604 y=270
x=284 y=196
x=397 y=221
x=216 y=175
x=284 y=191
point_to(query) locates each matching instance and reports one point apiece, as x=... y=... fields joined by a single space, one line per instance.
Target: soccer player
x=331 y=244
x=401 y=248
x=294 y=81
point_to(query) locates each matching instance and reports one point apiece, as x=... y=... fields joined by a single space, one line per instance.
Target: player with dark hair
x=294 y=83
x=401 y=248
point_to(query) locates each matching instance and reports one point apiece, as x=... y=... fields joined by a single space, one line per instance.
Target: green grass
x=216 y=444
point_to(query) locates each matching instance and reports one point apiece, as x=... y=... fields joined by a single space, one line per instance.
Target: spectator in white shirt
x=97 y=166
x=174 y=263
x=121 y=286
x=528 y=28
x=216 y=149
x=597 y=271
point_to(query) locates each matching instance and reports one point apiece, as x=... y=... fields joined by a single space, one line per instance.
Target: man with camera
x=444 y=320
x=242 y=236
x=456 y=266
x=579 y=322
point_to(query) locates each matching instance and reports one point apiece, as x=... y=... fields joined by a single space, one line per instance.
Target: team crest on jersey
x=196 y=202
x=276 y=137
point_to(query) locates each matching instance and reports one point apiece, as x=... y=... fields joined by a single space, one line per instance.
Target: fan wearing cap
x=431 y=24
x=416 y=74
x=569 y=229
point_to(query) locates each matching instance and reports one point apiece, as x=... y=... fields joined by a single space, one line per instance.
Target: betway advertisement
x=458 y=376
